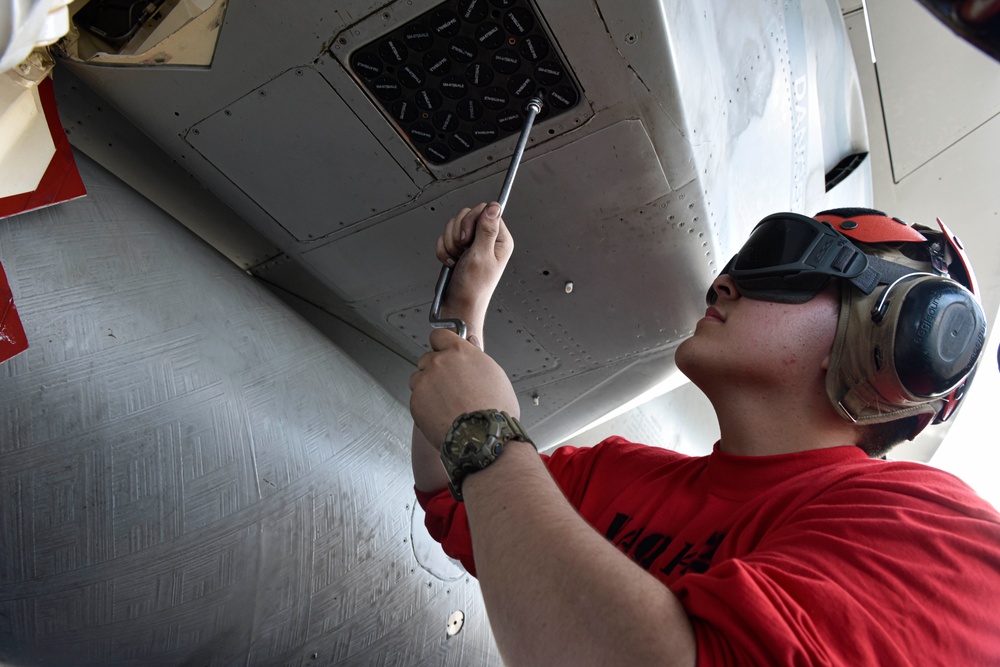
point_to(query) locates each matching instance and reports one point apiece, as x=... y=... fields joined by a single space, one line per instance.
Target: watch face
x=475 y=440
x=474 y=430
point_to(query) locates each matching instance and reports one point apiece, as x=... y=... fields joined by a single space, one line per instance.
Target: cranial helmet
x=911 y=328
x=909 y=346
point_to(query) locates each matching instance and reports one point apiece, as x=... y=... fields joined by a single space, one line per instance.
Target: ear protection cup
x=909 y=347
x=939 y=335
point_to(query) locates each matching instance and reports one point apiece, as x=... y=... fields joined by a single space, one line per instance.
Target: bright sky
x=971 y=449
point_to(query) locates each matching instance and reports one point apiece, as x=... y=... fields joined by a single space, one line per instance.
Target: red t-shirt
x=819 y=557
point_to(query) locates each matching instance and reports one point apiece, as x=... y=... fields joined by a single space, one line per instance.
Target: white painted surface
x=25 y=143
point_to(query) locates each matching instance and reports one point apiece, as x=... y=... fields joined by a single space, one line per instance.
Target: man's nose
x=722 y=287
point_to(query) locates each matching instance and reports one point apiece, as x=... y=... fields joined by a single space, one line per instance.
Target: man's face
x=754 y=345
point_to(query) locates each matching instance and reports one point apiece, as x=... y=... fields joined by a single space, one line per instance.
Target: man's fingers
x=442 y=253
x=442 y=339
x=469 y=227
x=423 y=361
x=504 y=246
x=488 y=225
x=459 y=233
x=450 y=236
x=481 y=222
x=421 y=365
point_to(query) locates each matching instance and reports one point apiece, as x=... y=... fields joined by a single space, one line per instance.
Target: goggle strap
x=844 y=257
x=879 y=271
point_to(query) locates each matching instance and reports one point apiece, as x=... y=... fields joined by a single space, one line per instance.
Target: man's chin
x=684 y=357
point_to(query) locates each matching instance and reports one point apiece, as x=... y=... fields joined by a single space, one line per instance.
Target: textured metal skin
x=190 y=474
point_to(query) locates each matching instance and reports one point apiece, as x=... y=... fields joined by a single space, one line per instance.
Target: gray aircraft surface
x=204 y=453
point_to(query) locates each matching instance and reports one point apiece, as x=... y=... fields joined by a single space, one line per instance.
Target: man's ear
x=825 y=364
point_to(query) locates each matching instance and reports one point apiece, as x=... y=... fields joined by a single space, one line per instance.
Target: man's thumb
x=489 y=223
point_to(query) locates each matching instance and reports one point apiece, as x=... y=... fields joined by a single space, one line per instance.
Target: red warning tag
x=12 y=338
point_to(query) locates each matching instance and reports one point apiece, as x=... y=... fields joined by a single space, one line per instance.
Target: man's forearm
x=477 y=244
x=556 y=591
x=428 y=472
x=425 y=457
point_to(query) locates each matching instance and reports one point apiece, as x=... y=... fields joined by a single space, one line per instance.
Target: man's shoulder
x=908 y=483
x=622 y=449
x=906 y=473
x=615 y=457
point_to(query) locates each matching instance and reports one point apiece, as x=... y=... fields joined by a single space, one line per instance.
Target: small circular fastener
x=848 y=224
x=455 y=623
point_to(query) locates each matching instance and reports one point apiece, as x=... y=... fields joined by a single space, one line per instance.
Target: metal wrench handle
x=534 y=107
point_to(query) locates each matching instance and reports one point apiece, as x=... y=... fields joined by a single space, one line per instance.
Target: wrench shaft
x=441 y=289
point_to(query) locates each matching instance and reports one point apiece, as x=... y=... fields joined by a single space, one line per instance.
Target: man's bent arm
x=484 y=244
x=556 y=591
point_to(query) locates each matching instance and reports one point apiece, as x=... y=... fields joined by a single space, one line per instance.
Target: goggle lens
x=776 y=243
x=790 y=258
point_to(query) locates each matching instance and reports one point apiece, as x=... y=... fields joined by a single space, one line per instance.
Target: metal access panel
x=935 y=89
x=455 y=79
x=298 y=119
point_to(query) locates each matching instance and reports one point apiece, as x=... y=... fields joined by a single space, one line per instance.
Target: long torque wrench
x=534 y=107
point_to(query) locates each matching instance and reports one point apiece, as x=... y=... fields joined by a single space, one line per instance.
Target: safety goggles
x=790 y=258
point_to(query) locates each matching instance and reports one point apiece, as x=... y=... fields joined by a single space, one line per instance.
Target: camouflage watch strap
x=474 y=441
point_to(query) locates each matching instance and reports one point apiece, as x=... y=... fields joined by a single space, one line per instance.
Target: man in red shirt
x=791 y=543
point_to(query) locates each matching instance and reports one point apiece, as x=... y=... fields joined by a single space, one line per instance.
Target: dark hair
x=877 y=439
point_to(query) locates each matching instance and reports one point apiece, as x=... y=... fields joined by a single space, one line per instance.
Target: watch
x=474 y=441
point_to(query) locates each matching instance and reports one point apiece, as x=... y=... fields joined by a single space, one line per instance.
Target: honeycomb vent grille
x=457 y=78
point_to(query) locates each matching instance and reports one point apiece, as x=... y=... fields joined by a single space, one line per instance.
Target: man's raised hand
x=477 y=244
x=455 y=378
